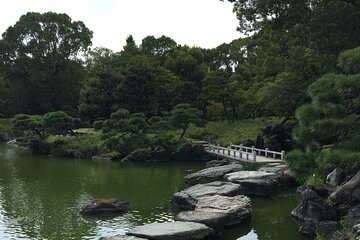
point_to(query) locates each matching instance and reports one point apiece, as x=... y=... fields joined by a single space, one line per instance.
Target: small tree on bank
x=183 y=115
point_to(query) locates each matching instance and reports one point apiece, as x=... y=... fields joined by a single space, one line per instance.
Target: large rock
x=188 y=198
x=348 y=192
x=356 y=231
x=217 y=163
x=122 y=237
x=336 y=177
x=326 y=228
x=258 y=183
x=313 y=208
x=214 y=220
x=308 y=228
x=105 y=206
x=237 y=208
x=172 y=231
x=353 y=216
x=211 y=174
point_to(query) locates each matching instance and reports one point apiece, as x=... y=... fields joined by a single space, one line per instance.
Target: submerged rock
x=105 y=206
x=188 y=198
x=211 y=174
x=172 y=231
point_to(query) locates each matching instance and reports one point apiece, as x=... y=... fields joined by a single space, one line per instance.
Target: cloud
x=204 y=23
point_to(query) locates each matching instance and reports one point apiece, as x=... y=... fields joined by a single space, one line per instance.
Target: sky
x=202 y=23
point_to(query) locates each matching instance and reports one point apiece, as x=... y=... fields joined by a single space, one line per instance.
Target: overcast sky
x=203 y=23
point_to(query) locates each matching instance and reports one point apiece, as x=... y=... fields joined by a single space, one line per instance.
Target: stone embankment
x=333 y=212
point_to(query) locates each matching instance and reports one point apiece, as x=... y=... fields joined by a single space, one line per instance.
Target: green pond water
x=40 y=198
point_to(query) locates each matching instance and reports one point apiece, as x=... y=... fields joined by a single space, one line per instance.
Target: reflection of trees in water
x=45 y=194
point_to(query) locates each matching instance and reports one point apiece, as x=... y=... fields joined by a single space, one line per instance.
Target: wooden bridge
x=244 y=154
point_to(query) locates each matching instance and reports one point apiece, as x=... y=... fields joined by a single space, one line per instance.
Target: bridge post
x=282 y=155
x=254 y=155
x=218 y=148
x=240 y=147
x=266 y=152
x=252 y=149
x=228 y=151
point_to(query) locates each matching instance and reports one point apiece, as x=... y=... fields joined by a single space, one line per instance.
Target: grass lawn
x=225 y=133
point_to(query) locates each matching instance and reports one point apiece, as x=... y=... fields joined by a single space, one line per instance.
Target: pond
x=40 y=198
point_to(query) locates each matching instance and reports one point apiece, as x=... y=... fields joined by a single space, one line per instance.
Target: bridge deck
x=245 y=154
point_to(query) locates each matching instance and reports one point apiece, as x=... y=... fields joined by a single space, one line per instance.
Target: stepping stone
x=187 y=199
x=237 y=208
x=172 y=231
x=211 y=174
x=214 y=220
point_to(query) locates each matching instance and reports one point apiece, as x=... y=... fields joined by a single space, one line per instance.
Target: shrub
x=98 y=125
x=302 y=164
x=314 y=180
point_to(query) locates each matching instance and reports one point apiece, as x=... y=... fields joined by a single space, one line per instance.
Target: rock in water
x=308 y=228
x=214 y=220
x=172 y=231
x=258 y=183
x=105 y=206
x=187 y=199
x=211 y=174
x=313 y=208
x=237 y=208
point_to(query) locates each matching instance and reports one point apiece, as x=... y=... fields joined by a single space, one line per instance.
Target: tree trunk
x=184 y=131
x=225 y=111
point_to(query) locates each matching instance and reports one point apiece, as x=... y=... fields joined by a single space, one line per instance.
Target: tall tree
x=41 y=57
x=328 y=131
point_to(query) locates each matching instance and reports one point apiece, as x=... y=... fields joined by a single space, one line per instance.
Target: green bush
x=225 y=133
x=98 y=125
x=314 y=180
x=338 y=158
x=302 y=164
x=84 y=143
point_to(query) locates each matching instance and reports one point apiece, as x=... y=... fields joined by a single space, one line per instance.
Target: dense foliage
x=328 y=131
x=147 y=96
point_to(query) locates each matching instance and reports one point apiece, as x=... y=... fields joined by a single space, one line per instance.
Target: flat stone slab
x=214 y=220
x=258 y=183
x=211 y=174
x=247 y=175
x=187 y=199
x=122 y=237
x=172 y=231
x=237 y=208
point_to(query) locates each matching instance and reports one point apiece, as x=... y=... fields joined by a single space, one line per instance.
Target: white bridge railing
x=242 y=152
